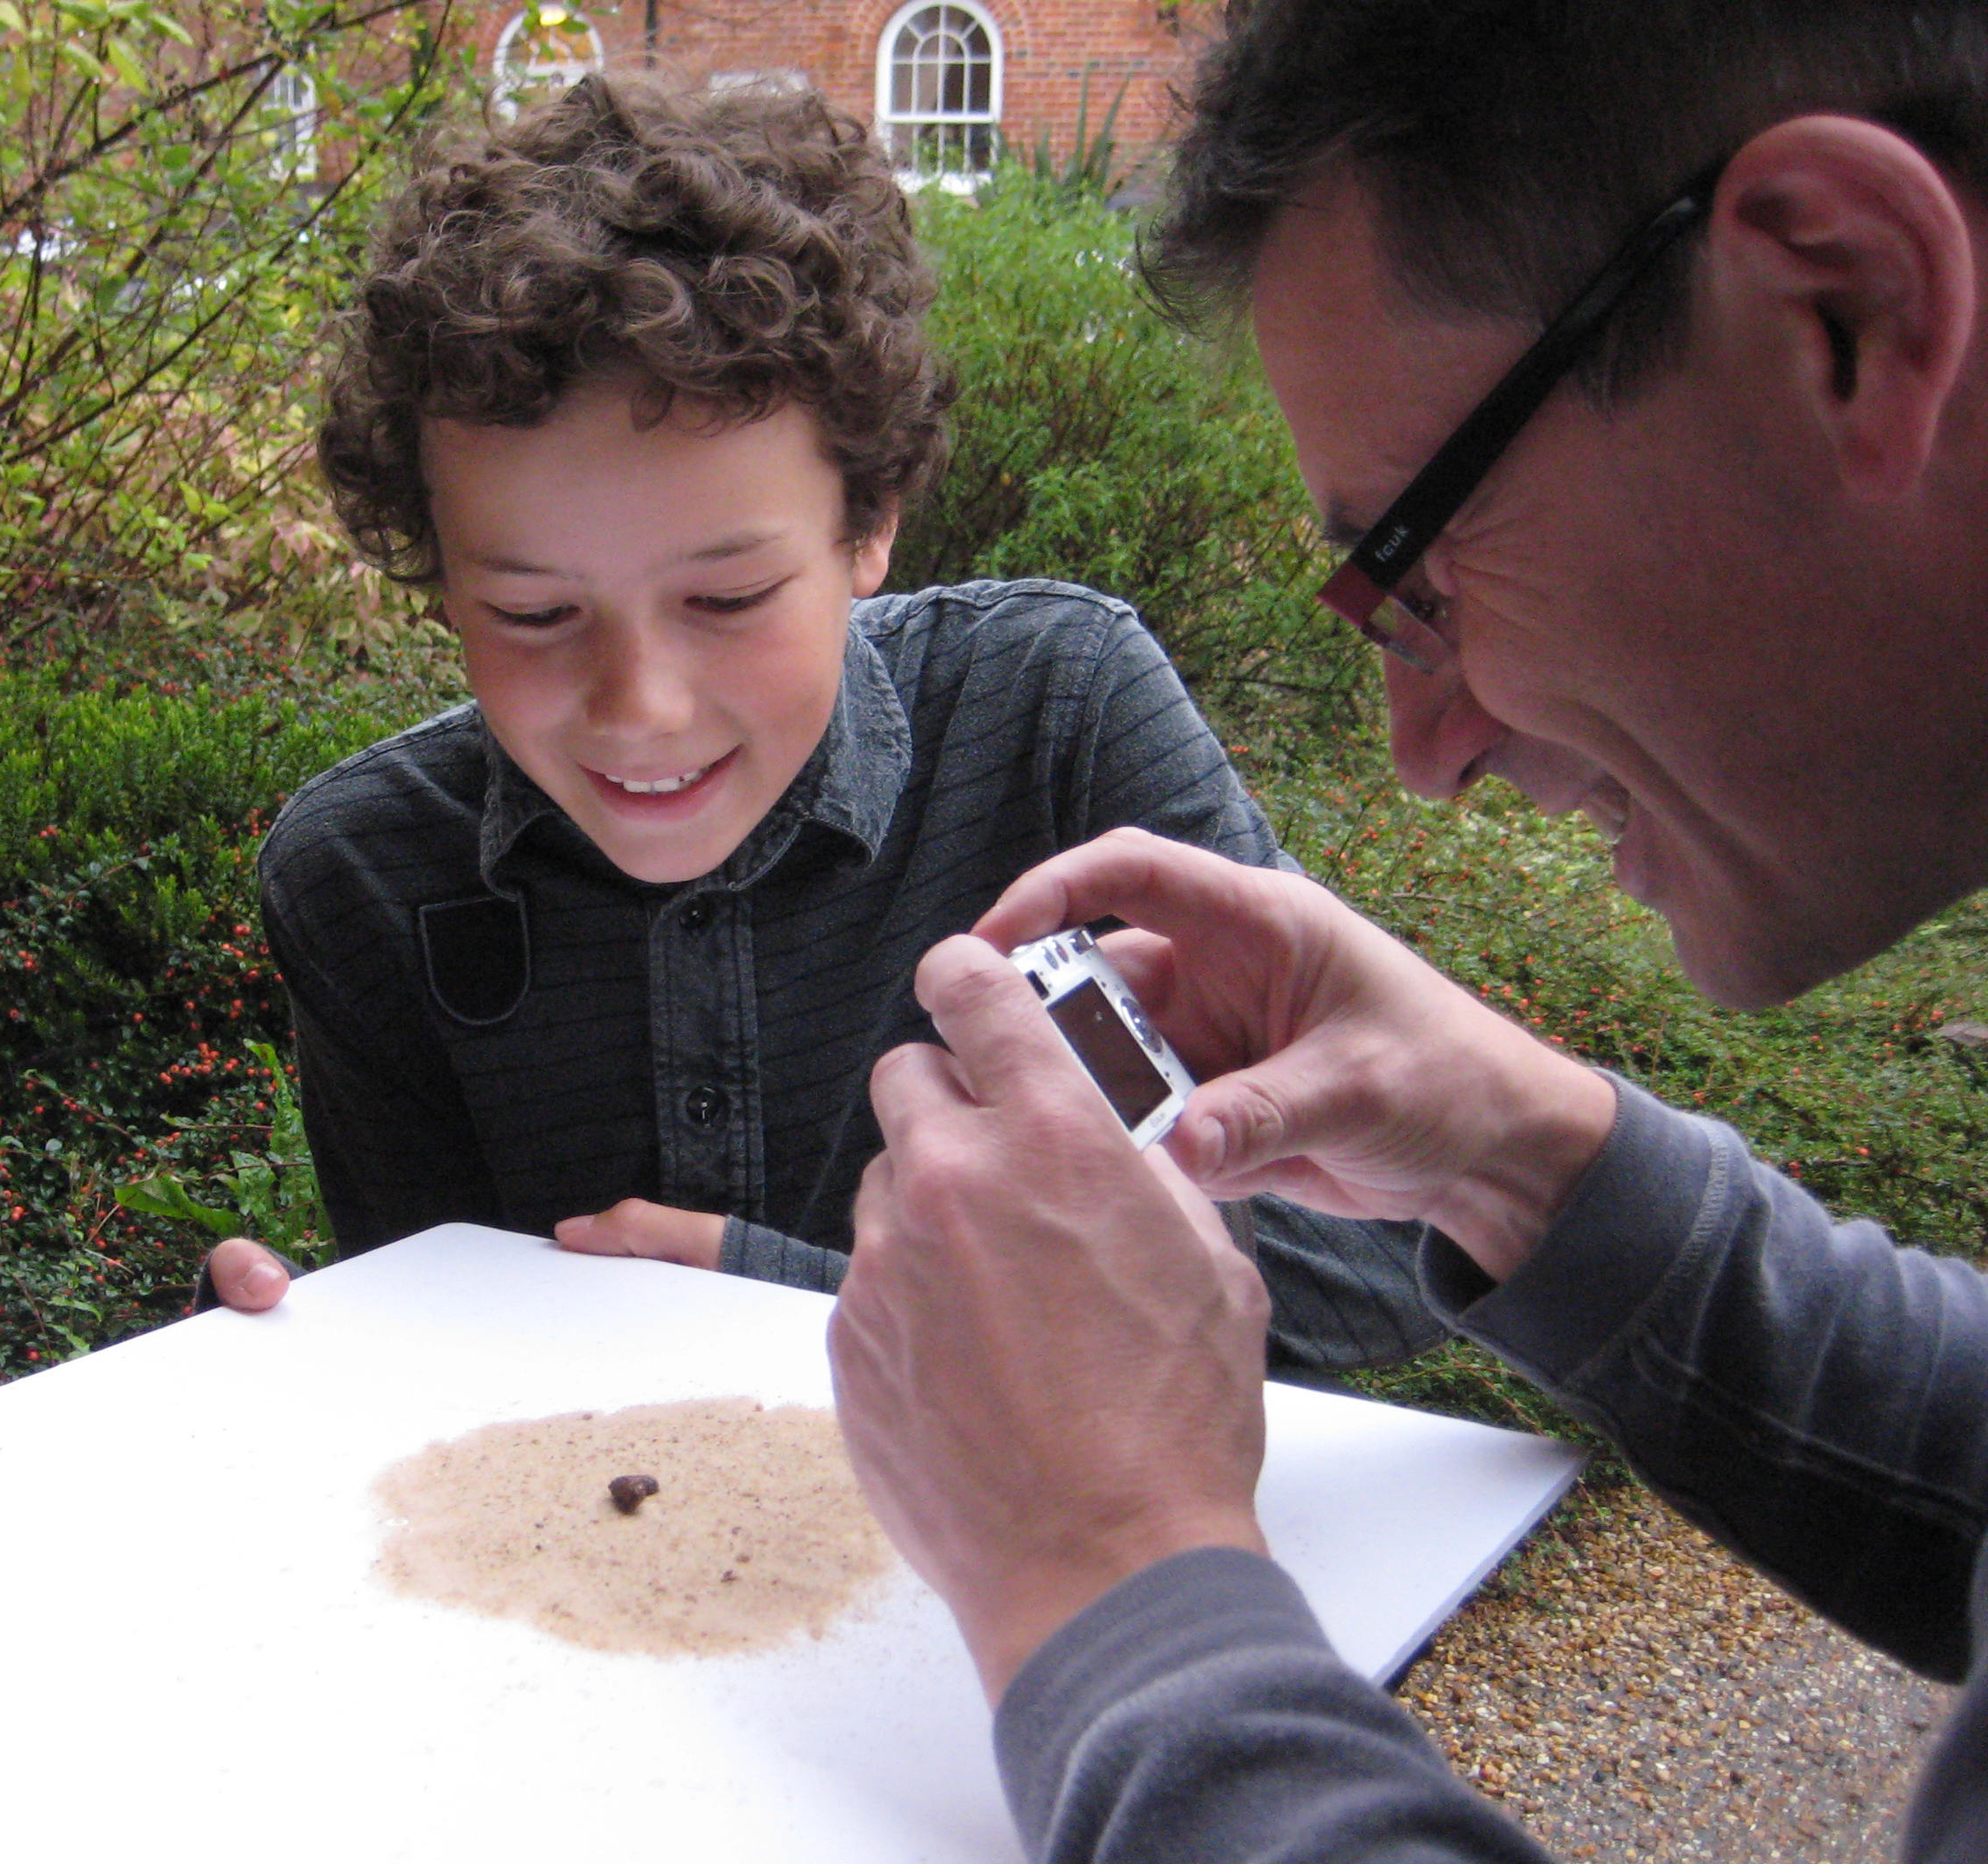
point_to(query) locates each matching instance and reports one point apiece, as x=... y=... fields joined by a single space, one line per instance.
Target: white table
x=199 y=1661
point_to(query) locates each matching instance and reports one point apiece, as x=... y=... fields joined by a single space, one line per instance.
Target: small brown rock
x=629 y=1493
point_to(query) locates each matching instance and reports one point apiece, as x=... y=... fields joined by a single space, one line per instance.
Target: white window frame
x=292 y=103
x=505 y=82
x=888 y=121
x=787 y=79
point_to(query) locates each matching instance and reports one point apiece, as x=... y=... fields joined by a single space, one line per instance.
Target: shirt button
x=704 y=1106
x=697 y=915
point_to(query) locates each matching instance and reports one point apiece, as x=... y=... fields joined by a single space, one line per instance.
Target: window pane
x=937 y=93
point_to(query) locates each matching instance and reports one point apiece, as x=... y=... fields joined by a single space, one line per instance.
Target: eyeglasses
x=1362 y=590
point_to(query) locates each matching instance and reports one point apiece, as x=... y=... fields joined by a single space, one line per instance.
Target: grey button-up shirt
x=495 y=1024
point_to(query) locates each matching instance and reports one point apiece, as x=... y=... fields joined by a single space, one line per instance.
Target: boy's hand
x=637 y=1227
x=246 y=1277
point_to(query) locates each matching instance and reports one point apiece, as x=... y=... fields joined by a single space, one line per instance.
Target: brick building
x=945 y=81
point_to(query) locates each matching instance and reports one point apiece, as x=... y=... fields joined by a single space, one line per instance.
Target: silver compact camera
x=1144 y=1082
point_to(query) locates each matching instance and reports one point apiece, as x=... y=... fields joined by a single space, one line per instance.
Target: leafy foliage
x=1094 y=443
x=168 y=257
x=272 y=1195
x=143 y=1027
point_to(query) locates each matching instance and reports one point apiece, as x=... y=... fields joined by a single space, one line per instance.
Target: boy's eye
x=736 y=604
x=533 y=617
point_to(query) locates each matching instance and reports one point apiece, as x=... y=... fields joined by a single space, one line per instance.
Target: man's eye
x=1426 y=606
x=533 y=617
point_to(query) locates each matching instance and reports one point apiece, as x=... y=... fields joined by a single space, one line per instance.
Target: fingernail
x=262 y=1278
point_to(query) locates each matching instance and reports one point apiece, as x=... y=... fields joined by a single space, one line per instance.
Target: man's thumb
x=1236 y=1127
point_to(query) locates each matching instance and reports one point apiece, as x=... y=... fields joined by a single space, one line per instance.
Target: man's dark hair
x=1509 y=145
x=745 y=249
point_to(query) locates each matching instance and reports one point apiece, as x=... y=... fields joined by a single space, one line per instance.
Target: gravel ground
x=1629 y=1692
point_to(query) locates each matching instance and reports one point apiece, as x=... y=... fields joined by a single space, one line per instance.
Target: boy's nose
x=643 y=683
x=1437 y=730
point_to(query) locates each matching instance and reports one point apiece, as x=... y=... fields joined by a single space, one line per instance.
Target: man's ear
x=1847 y=254
x=872 y=555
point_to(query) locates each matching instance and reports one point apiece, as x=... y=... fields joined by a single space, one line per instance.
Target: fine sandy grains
x=757 y=1529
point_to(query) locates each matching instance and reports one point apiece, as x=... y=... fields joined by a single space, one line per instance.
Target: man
x=1702 y=556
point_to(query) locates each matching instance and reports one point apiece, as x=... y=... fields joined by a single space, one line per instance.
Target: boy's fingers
x=246 y=1277
x=634 y=1226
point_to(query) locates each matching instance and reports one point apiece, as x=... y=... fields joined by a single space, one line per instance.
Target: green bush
x=1095 y=443
x=144 y=1027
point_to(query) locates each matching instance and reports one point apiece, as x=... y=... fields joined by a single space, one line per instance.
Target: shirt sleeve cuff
x=766 y=1255
x=1635 y=1212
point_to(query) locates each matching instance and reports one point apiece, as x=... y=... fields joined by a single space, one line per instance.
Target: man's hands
x=1339 y=1068
x=1048 y=1358
x=1048 y=1362
x=636 y=1228
x=246 y=1277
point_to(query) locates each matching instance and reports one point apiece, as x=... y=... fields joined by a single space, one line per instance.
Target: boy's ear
x=872 y=555
x=1842 y=260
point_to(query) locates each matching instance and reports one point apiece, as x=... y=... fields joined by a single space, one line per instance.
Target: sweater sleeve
x=1197 y=1715
x=1809 y=1393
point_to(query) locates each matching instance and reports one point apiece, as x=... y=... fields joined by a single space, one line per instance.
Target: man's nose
x=1437 y=730
x=642 y=680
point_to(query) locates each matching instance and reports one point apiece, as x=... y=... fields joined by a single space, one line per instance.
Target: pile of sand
x=757 y=1529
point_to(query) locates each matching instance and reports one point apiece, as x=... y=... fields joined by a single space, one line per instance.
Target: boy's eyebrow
x=736 y=545
x=739 y=544
x=515 y=566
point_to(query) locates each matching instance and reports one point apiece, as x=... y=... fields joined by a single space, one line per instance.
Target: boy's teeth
x=662 y=786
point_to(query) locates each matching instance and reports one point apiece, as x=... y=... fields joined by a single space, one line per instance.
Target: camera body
x=1142 y=1081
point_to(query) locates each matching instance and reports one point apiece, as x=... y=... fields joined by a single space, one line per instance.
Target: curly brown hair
x=746 y=248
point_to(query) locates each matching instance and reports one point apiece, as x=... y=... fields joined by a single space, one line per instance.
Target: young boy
x=639 y=383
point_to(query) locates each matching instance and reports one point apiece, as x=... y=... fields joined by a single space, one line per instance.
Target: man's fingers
x=913 y=1084
x=1128 y=873
x=246 y=1277
x=1004 y=1047
x=1145 y=961
x=1240 y=1128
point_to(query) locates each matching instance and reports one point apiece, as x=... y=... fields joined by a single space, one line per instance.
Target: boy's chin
x=662 y=870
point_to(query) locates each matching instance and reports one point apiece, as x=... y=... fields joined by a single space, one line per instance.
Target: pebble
x=1630 y=1691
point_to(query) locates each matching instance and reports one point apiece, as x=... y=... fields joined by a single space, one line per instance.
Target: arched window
x=563 y=50
x=291 y=114
x=939 y=88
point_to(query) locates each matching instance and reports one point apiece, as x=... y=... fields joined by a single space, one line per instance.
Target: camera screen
x=1110 y=1051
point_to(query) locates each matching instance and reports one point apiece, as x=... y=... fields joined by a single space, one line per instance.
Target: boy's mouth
x=658 y=786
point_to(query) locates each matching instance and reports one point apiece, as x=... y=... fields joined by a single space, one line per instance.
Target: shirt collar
x=849 y=786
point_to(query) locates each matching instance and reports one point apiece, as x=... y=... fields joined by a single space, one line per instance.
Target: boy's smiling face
x=652 y=617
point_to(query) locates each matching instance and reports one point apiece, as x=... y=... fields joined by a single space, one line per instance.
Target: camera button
x=697 y=914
